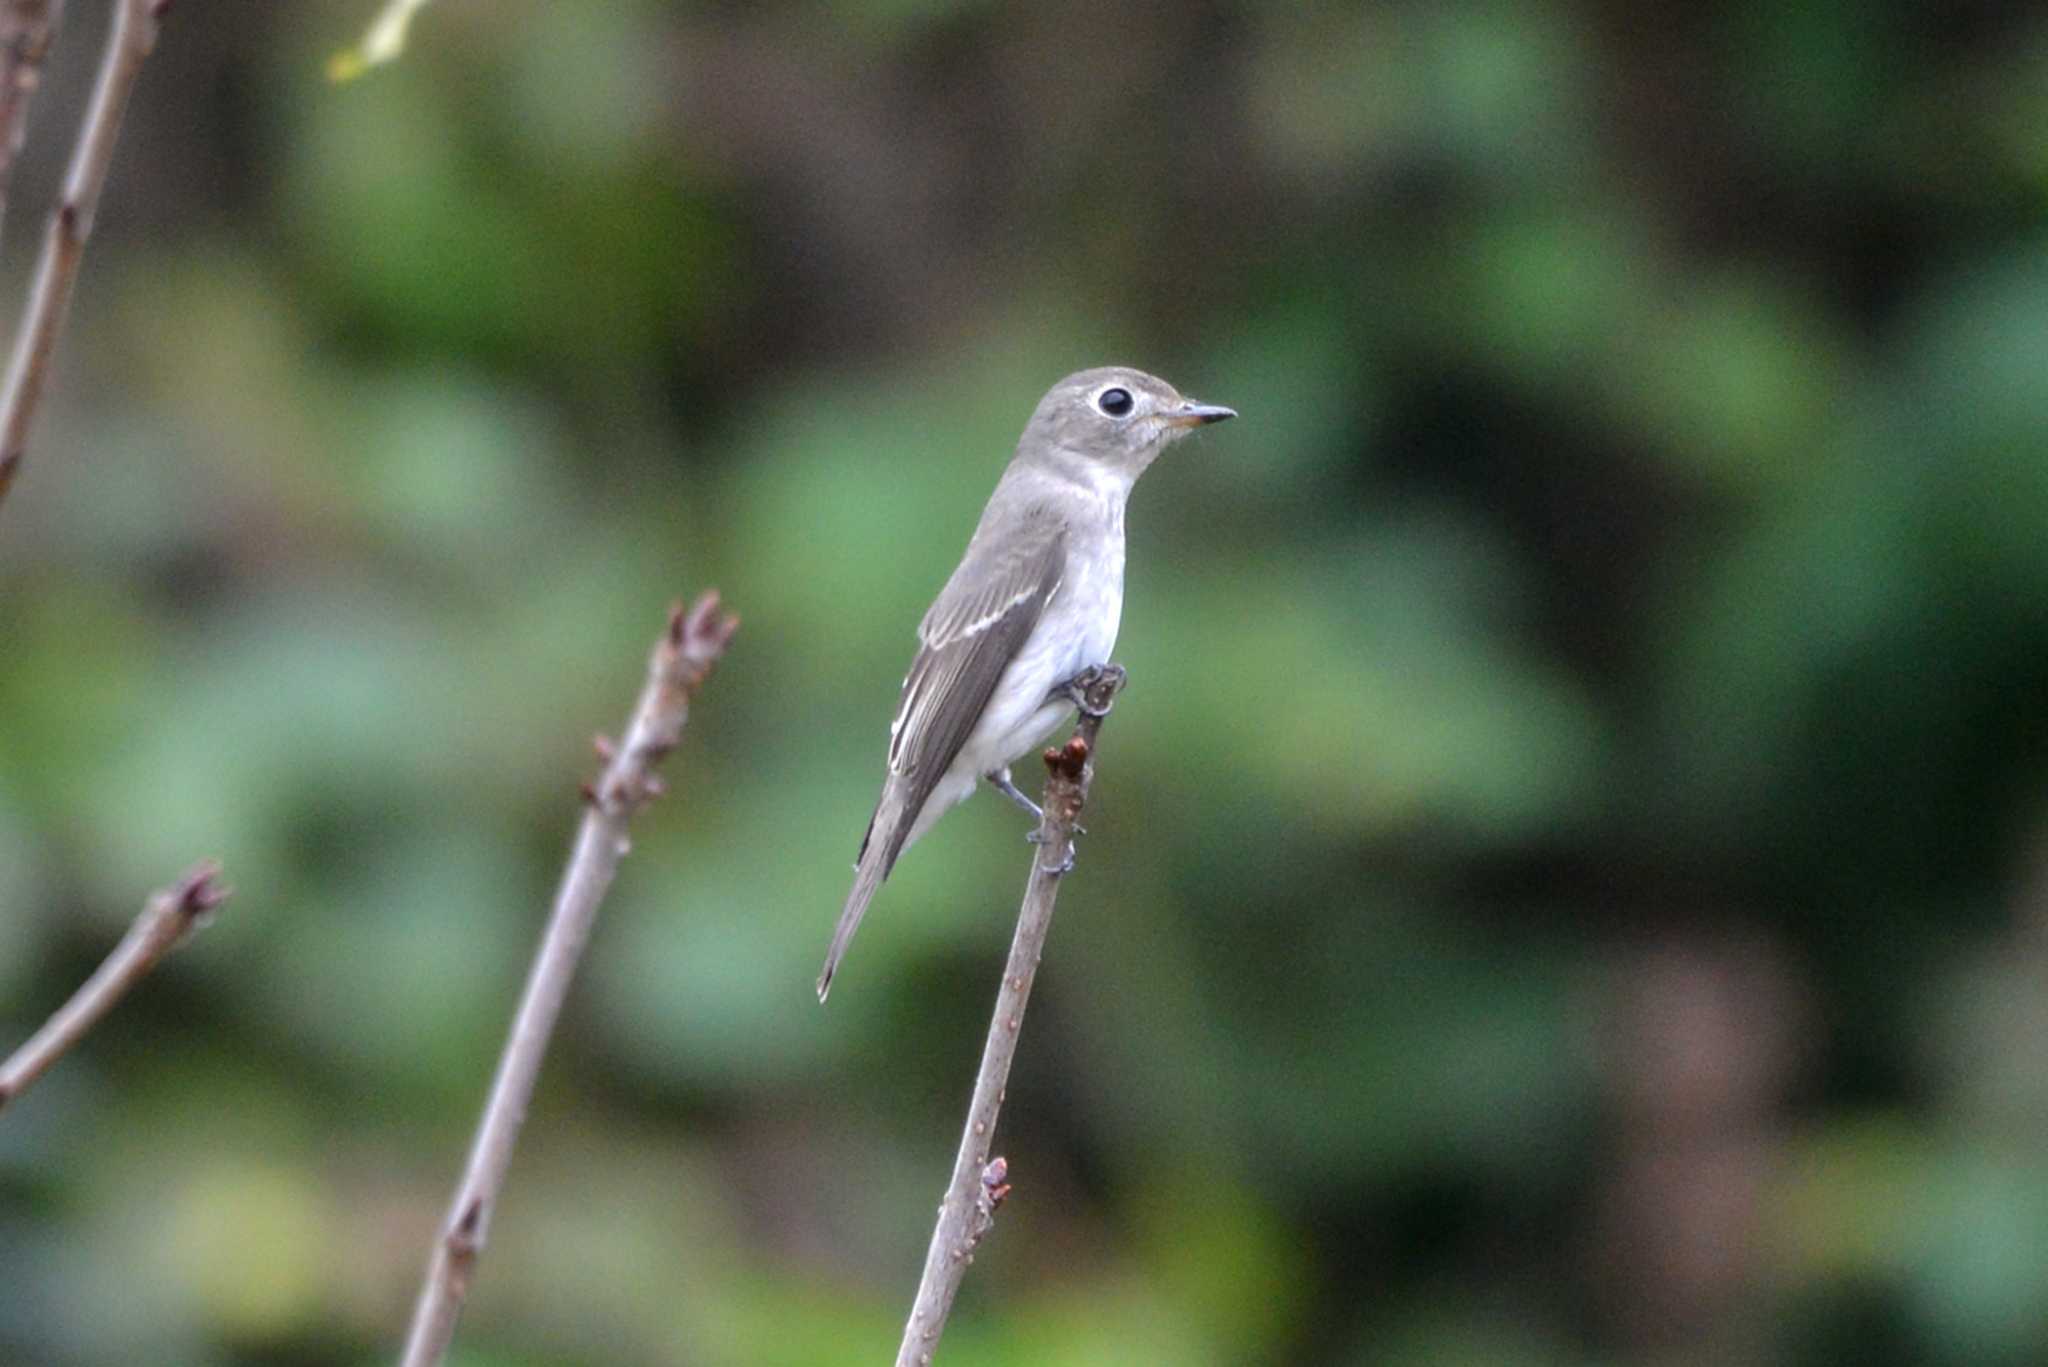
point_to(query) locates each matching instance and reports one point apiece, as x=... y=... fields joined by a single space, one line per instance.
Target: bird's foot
x=1075 y=690
x=999 y=779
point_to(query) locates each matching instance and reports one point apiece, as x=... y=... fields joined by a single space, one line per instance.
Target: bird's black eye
x=1115 y=402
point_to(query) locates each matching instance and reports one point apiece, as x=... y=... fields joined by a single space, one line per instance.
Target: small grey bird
x=1034 y=602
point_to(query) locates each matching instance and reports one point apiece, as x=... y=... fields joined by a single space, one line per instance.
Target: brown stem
x=166 y=919
x=128 y=45
x=26 y=30
x=980 y=1182
x=684 y=656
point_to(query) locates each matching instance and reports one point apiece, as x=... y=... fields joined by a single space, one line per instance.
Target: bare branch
x=167 y=918
x=979 y=1182
x=26 y=29
x=35 y=339
x=684 y=656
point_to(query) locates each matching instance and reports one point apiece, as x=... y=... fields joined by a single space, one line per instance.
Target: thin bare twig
x=166 y=919
x=35 y=339
x=26 y=29
x=683 y=657
x=979 y=1181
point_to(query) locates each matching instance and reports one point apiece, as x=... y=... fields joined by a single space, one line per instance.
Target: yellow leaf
x=384 y=40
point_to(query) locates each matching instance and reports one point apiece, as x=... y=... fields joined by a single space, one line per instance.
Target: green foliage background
x=1569 y=881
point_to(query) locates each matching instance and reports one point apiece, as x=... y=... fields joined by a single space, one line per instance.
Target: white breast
x=1078 y=629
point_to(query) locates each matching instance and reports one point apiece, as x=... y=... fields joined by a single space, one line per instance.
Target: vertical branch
x=128 y=45
x=26 y=28
x=683 y=658
x=979 y=1181
x=167 y=918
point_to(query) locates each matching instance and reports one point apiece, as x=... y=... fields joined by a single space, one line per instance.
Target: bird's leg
x=999 y=779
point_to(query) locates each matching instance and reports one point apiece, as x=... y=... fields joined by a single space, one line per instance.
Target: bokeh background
x=1569 y=881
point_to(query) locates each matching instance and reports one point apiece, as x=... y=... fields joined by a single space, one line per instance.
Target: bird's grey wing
x=979 y=623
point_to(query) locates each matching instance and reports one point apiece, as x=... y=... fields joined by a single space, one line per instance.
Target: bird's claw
x=1075 y=691
x=1077 y=694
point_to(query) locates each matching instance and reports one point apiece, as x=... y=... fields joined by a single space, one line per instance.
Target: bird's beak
x=1192 y=414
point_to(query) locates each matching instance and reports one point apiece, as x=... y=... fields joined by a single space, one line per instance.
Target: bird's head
x=1116 y=419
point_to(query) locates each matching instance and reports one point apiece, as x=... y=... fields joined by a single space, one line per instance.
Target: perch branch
x=166 y=919
x=26 y=28
x=128 y=45
x=979 y=1181
x=683 y=657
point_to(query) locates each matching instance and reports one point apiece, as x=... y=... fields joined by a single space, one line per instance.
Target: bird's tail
x=867 y=877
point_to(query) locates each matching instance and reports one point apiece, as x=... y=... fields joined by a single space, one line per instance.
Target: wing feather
x=976 y=627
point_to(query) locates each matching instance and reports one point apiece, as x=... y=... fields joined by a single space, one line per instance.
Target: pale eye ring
x=1115 y=402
